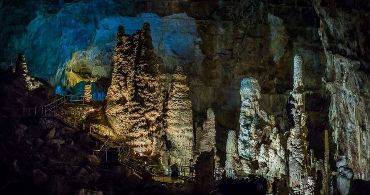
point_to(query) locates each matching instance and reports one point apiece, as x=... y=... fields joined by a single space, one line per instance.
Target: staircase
x=51 y=108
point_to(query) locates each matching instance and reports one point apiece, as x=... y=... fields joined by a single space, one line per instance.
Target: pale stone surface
x=206 y=136
x=134 y=100
x=259 y=140
x=347 y=62
x=87 y=93
x=206 y=140
x=179 y=121
x=231 y=154
x=298 y=162
x=345 y=175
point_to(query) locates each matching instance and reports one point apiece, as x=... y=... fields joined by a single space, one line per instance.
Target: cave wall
x=52 y=41
x=345 y=37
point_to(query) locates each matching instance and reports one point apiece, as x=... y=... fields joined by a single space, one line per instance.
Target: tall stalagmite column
x=87 y=92
x=206 y=140
x=299 y=179
x=180 y=121
x=134 y=101
x=231 y=154
x=248 y=135
x=206 y=135
x=259 y=140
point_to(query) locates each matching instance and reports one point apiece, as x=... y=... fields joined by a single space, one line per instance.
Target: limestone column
x=248 y=135
x=231 y=154
x=87 y=92
x=179 y=121
x=300 y=181
x=206 y=140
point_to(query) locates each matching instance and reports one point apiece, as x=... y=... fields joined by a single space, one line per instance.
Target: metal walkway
x=52 y=107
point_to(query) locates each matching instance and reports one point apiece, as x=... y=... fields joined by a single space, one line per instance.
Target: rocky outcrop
x=134 y=101
x=179 y=121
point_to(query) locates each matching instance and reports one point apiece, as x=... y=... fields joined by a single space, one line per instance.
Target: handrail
x=52 y=106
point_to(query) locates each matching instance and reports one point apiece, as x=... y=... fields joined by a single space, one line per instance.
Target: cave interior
x=185 y=97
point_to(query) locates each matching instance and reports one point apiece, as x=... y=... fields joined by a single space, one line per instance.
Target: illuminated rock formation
x=206 y=140
x=179 y=121
x=21 y=70
x=247 y=141
x=347 y=80
x=345 y=175
x=206 y=136
x=231 y=154
x=300 y=180
x=259 y=139
x=87 y=92
x=86 y=66
x=134 y=102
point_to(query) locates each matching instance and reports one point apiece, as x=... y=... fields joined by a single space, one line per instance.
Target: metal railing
x=52 y=107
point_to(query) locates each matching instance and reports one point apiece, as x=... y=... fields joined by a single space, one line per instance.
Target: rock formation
x=259 y=145
x=345 y=39
x=21 y=71
x=231 y=154
x=206 y=140
x=87 y=92
x=179 y=121
x=300 y=180
x=134 y=102
x=206 y=134
x=345 y=175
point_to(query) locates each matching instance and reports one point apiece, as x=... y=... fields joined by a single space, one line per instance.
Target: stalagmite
x=259 y=139
x=326 y=170
x=87 y=92
x=21 y=71
x=134 y=100
x=345 y=175
x=231 y=154
x=250 y=94
x=300 y=180
x=179 y=121
x=206 y=136
x=206 y=140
